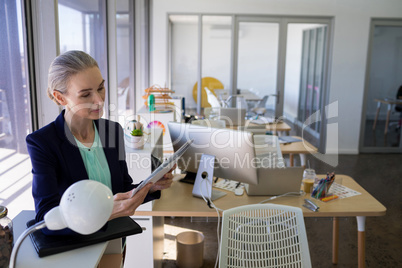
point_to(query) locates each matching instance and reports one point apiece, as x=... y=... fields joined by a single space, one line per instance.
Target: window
x=15 y=110
x=82 y=26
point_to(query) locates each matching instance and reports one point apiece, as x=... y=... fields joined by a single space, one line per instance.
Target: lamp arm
x=21 y=238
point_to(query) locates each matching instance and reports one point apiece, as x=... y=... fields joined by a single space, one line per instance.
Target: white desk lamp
x=84 y=208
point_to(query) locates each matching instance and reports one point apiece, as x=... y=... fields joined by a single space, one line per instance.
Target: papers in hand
x=164 y=168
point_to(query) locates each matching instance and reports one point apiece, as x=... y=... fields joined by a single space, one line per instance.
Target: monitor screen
x=233 y=150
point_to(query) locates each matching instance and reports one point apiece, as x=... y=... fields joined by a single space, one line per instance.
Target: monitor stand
x=189 y=178
x=203 y=181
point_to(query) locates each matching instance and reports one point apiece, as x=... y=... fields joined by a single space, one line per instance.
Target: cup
x=308 y=180
x=308 y=185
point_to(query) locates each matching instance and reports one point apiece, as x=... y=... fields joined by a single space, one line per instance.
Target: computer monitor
x=233 y=150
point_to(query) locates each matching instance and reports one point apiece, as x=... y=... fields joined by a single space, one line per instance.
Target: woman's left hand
x=164 y=183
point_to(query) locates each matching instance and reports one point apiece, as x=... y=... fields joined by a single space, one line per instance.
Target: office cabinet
x=146 y=249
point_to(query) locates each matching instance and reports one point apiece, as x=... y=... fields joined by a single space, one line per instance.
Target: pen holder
x=322 y=189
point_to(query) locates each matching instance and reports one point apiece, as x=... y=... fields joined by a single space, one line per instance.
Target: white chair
x=260 y=109
x=264 y=235
x=212 y=99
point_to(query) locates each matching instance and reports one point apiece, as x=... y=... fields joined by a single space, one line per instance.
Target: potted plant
x=136 y=138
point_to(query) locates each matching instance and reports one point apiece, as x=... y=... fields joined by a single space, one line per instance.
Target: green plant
x=137 y=132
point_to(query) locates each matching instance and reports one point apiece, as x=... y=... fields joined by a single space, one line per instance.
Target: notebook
x=46 y=245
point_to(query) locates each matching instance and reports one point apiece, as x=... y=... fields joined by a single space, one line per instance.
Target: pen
x=329 y=198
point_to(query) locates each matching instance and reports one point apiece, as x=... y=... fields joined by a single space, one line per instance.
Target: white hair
x=63 y=67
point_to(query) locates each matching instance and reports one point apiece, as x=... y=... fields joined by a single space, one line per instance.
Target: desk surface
x=300 y=147
x=27 y=256
x=278 y=126
x=178 y=201
x=389 y=101
x=281 y=126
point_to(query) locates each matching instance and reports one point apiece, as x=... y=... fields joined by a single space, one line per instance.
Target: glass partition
x=258 y=60
x=184 y=57
x=304 y=75
x=216 y=39
x=382 y=120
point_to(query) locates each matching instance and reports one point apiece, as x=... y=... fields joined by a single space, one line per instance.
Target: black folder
x=46 y=245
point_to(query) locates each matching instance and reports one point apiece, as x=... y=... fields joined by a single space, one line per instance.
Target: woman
x=79 y=144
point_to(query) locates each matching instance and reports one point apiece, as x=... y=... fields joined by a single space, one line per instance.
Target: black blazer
x=57 y=162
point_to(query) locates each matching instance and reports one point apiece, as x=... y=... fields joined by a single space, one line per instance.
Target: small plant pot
x=135 y=142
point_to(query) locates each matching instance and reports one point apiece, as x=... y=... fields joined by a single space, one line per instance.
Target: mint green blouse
x=95 y=161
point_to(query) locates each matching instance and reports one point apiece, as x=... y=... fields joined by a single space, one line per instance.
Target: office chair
x=211 y=83
x=212 y=99
x=260 y=109
x=264 y=235
x=398 y=108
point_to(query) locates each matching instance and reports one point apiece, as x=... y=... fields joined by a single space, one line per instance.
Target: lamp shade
x=84 y=208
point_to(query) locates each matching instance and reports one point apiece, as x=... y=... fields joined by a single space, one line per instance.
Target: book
x=46 y=245
x=287 y=139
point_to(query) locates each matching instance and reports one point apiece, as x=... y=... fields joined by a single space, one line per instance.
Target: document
x=164 y=168
x=261 y=120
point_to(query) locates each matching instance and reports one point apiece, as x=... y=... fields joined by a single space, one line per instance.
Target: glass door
x=183 y=57
x=257 y=62
x=382 y=111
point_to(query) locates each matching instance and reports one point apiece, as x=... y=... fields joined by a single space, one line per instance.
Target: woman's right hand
x=125 y=205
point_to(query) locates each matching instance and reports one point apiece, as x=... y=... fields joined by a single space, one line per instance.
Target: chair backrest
x=398 y=107
x=211 y=83
x=241 y=103
x=264 y=235
x=212 y=99
x=263 y=101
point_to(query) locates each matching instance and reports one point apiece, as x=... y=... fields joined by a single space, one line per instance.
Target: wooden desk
x=178 y=201
x=390 y=103
x=276 y=128
x=27 y=256
x=302 y=148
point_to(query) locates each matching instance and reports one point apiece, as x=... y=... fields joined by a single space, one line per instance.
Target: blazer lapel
x=73 y=160
x=107 y=135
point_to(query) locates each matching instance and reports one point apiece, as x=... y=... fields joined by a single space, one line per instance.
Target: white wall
x=349 y=54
